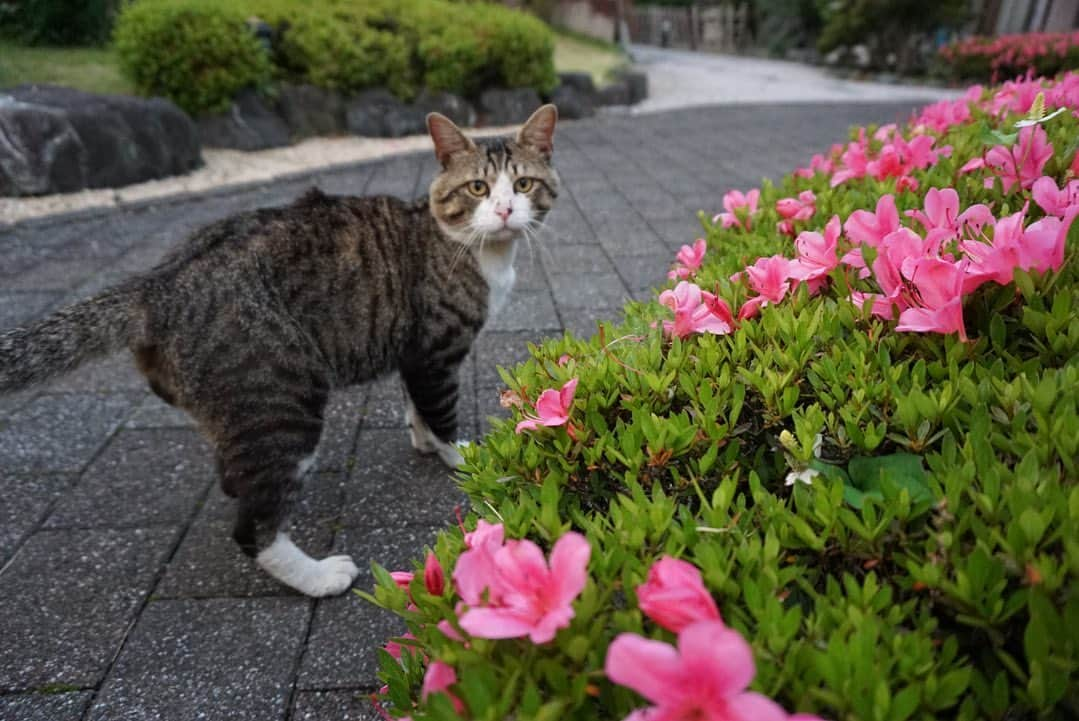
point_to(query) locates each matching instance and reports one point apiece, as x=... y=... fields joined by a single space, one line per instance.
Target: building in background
x=1001 y=17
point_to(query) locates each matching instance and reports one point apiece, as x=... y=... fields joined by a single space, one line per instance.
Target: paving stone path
x=122 y=596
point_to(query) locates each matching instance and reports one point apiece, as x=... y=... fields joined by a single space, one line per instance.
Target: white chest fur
x=496 y=264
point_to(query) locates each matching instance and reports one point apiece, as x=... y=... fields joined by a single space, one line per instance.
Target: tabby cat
x=252 y=321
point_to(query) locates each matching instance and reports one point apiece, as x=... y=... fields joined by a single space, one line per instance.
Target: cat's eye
x=523 y=185
x=478 y=188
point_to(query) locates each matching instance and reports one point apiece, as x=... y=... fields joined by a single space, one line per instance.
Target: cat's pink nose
x=503 y=213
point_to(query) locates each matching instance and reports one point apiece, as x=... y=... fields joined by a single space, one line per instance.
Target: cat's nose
x=503 y=213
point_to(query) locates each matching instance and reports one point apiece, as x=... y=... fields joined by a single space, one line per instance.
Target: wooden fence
x=716 y=28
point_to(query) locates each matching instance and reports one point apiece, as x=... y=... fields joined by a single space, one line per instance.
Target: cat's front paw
x=332 y=576
x=450 y=453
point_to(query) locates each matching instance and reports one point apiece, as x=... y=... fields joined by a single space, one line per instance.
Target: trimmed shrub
x=343 y=45
x=989 y=59
x=887 y=513
x=197 y=53
x=335 y=48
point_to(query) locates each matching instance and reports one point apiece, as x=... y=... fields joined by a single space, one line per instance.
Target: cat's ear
x=538 y=132
x=448 y=138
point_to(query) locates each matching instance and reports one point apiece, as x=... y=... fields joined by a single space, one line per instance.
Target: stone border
x=292 y=112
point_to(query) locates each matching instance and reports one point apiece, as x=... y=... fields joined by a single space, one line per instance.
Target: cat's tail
x=68 y=338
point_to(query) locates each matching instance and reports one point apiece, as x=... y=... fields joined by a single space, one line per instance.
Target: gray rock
x=309 y=111
x=62 y=140
x=452 y=106
x=638 y=85
x=506 y=107
x=250 y=124
x=616 y=93
x=573 y=103
x=43 y=154
x=581 y=82
x=379 y=113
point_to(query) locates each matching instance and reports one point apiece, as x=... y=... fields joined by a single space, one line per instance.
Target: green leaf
x=869 y=474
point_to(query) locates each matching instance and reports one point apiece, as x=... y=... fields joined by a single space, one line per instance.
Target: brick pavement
x=122 y=596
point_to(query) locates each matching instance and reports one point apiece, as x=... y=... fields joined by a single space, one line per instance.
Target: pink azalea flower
x=433 y=577
x=403 y=579
x=740 y=208
x=552 y=408
x=974 y=219
x=801 y=208
x=854 y=161
x=972 y=165
x=994 y=261
x=905 y=183
x=674 y=595
x=1054 y=200
x=939 y=298
x=816 y=255
x=941 y=216
x=695 y=311
x=486 y=536
x=513 y=592
x=1021 y=164
x=449 y=631
x=770 y=278
x=689 y=259
x=704 y=678
x=1042 y=247
x=438 y=679
x=869 y=228
x=395 y=649
x=898 y=251
x=941 y=116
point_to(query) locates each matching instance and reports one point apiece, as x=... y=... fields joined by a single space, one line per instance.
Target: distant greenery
x=94 y=70
x=58 y=22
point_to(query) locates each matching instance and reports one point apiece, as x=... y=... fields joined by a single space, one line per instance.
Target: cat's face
x=495 y=189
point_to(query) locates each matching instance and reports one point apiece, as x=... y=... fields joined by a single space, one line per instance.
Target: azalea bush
x=829 y=472
x=992 y=58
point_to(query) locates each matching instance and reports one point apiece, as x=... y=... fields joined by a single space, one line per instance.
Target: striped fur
x=253 y=320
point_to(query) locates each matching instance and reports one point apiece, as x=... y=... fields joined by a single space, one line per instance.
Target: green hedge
x=929 y=571
x=197 y=53
x=345 y=45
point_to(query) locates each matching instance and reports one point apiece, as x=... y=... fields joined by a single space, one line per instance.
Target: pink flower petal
x=651 y=668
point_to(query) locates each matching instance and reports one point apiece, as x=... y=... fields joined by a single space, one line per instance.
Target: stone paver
x=122 y=593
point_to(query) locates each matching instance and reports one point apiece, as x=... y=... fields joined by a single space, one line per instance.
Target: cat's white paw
x=294 y=568
x=334 y=575
x=450 y=453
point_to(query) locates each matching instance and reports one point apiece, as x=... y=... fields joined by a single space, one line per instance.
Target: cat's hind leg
x=264 y=465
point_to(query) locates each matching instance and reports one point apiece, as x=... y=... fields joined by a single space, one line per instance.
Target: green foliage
x=928 y=572
x=60 y=22
x=197 y=53
x=344 y=45
x=886 y=26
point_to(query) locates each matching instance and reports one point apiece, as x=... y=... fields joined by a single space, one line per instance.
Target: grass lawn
x=578 y=53
x=91 y=69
